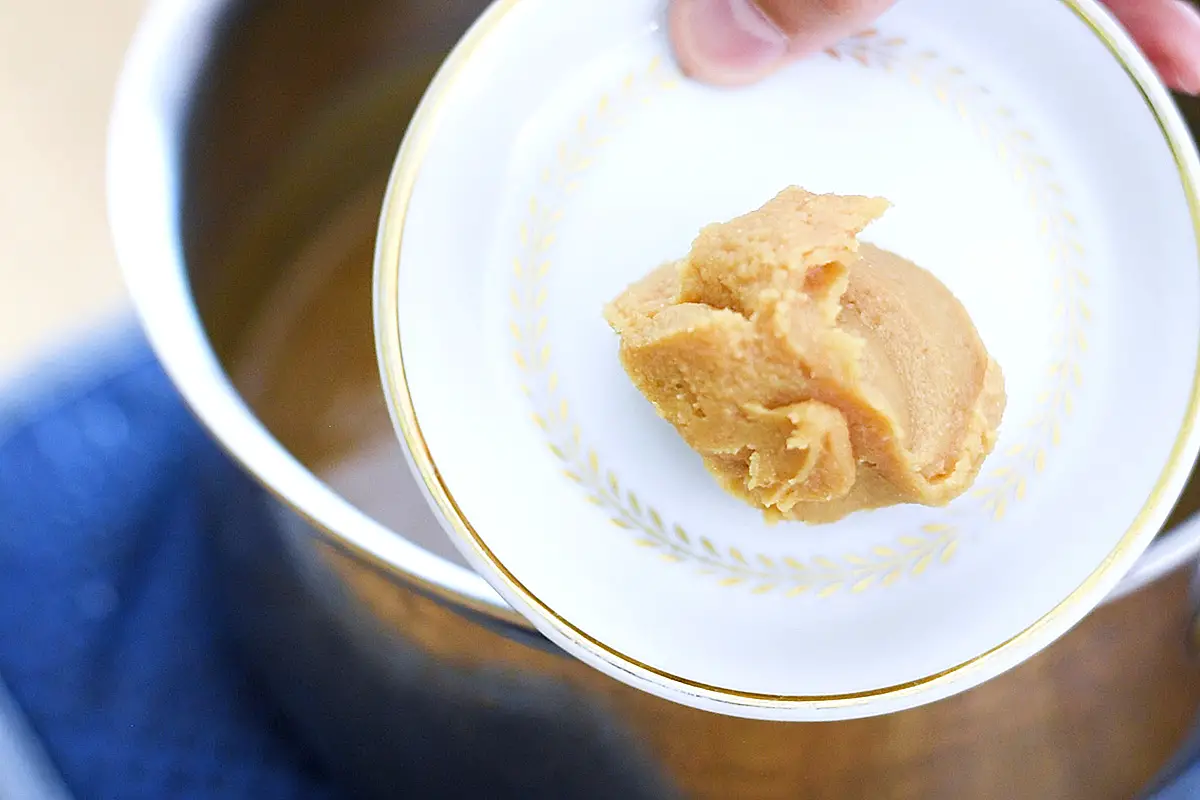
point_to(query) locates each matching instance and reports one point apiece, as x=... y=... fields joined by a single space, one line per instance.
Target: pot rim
x=1090 y=593
x=145 y=135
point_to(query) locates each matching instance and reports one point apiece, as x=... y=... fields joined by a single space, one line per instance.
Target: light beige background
x=59 y=61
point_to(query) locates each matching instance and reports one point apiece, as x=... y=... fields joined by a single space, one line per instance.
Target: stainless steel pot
x=248 y=149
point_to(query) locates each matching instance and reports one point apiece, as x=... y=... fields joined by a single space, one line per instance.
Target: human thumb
x=733 y=42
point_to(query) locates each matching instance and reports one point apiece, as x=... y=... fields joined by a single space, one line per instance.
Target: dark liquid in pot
x=307 y=367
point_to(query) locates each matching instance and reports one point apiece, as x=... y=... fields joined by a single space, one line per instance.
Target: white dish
x=1036 y=166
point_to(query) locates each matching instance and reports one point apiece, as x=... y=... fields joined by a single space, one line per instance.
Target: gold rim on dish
x=400 y=403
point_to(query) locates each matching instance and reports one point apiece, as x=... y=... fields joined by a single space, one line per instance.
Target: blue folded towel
x=110 y=641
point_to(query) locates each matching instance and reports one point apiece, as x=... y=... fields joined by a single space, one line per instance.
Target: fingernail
x=1188 y=81
x=729 y=41
x=1189 y=12
x=1185 y=72
x=1180 y=79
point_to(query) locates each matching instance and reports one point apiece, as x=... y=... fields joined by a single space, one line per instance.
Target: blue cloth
x=110 y=640
x=110 y=637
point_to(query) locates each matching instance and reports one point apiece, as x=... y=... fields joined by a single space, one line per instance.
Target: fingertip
x=1168 y=31
x=725 y=42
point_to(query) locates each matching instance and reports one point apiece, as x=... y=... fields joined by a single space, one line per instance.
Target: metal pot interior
x=287 y=147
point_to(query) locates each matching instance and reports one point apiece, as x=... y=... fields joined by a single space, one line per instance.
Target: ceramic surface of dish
x=607 y=162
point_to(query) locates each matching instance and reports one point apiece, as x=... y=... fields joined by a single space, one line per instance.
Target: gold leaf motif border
x=911 y=554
